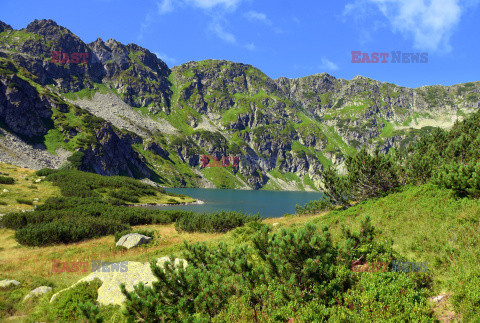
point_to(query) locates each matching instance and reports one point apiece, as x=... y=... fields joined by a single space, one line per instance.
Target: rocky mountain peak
x=4 y=27
x=112 y=43
x=103 y=52
x=362 y=78
x=149 y=59
x=98 y=41
x=45 y=27
x=214 y=107
x=53 y=38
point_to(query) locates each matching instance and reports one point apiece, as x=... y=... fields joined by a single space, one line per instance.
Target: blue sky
x=283 y=38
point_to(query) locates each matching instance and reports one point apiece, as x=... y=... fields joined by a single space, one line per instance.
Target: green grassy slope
x=428 y=224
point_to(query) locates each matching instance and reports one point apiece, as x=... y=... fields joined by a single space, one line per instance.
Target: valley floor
x=426 y=224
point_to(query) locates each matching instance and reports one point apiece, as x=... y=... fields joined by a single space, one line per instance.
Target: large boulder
x=6 y=283
x=133 y=274
x=132 y=240
x=38 y=292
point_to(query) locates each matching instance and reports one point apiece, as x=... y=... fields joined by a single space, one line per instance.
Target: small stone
x=276 y=224
x=38 y=291
x=5 y=190
x=161 y=261
x=8 y=282
x=38 y=180
x=438 y=298
x=132 y=240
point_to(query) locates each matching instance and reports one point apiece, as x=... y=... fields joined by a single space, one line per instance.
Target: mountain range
x=117 y=109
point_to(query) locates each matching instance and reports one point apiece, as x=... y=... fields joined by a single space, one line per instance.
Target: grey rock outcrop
x=22 y=108
x=114 y=155
x=6 y=283
x=38 y=292
x=133 y=240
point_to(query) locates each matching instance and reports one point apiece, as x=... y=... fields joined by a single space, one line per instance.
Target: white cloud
x=165 y=6
x=217 y=28
x=258 y=16
x=250 y=46
x=208 y=4
x=430 y=23
x=328 y=65
x=145 y=25
x=215 y=9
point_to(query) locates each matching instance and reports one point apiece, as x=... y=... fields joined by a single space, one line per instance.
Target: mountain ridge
x=211 y=107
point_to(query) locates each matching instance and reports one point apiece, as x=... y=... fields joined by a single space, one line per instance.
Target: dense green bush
x=313 y=207
x=367 y=176
x=66 y=208
x=62 y=202
x=66 y=307
x=74 y=183
x=14 y=220
x=449 y=158
x=6 y=180
x=67 y=212
x=123 y=195
x=45 y=171
x=391 y=297
x=463 y=179
x=93 y=121
x=246 y=232
x=76 y=157
x=295 y=274
x=361 y=247
x=67 y=230
x=24 y=201
x=213 y=222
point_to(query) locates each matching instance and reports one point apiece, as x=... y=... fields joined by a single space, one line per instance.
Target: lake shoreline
x=197 y=202
x=269 y=204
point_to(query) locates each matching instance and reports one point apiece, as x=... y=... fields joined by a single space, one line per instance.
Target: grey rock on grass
x=38 y=292
x=8 y=283
x=132 y=240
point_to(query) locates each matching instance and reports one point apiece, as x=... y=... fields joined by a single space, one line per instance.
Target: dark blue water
x=269 y=204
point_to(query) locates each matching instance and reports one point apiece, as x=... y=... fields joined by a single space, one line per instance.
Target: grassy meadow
x=425 y=224
x=28 y=187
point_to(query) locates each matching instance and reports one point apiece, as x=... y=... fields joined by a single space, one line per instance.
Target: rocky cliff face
x=113 y=155
x=284 y=131
x=22 y=109
x=45 y=121
x=134 y=72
